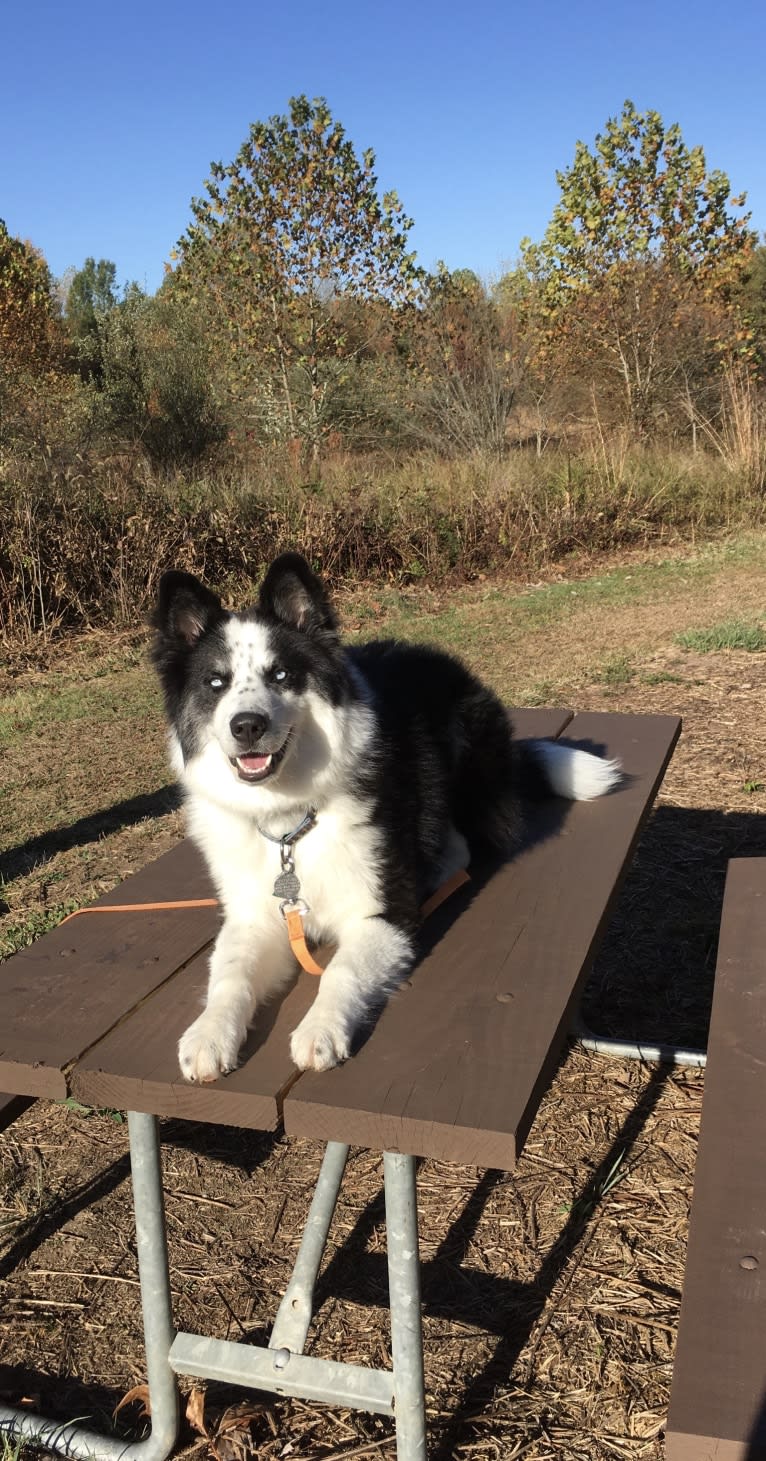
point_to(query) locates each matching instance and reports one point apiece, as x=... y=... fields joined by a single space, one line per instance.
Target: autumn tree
x=153 y=389
x=642 y=235
x=294 y=222
x=751 y=300
x=29 y=335
x=462 y=365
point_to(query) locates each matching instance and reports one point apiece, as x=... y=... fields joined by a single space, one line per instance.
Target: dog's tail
x=552 y=767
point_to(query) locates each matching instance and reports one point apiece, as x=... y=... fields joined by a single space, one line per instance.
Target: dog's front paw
x=320 y=1042
x=209 y=1048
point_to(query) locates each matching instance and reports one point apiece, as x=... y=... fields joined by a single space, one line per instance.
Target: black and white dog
x=389 y=762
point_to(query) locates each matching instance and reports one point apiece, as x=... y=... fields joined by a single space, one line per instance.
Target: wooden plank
x=135 y=1068
x=61 y=995
x=458 y=1060
x=718 y=1398
x=537 y=721
x=11 y=1107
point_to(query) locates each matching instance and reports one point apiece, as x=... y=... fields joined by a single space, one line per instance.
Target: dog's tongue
x=253 y=763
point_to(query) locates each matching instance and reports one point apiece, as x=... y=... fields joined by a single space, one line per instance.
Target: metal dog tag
x=287 y=887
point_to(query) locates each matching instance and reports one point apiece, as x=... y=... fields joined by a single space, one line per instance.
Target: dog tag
x=287 y=887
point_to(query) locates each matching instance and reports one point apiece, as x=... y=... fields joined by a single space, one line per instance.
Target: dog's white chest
x=337 y=865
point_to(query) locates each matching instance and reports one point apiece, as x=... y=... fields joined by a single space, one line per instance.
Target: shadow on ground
x=17 y=861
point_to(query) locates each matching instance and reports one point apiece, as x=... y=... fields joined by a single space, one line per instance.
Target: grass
x=20 y=933
x=87 y=1111
x=661 y=677
x=734 y=634
x=616 y=672
x=119 y=693
x=547 y=604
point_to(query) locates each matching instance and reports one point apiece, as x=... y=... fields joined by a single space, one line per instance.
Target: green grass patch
x=117 y=696
x=733 y=634
x=662 y=677
x=87 y=1111
x=543 y=607
x=616 y=672
x=20 y=933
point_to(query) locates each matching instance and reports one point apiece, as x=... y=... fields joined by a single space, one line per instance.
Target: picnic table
x=454 y=1069
x=718 y=1400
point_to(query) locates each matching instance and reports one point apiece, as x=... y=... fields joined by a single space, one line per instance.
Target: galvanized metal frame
x=69 y=1437
x=281 y=1367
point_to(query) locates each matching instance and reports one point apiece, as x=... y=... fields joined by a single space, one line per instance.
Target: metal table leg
x=282 y=1367
x=404 y=1290
x=291 y=1325
x=72 y=1439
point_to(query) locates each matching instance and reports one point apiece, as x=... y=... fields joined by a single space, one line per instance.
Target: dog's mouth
x=257 y=766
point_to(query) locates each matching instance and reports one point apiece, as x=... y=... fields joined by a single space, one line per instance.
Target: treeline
x=298 y=377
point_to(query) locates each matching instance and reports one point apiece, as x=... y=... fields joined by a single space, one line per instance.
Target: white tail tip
x=578 y=775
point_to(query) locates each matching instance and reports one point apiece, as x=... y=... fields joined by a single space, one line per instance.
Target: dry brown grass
x=84 y=541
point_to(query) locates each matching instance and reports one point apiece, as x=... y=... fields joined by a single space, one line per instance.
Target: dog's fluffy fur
x=405 y=757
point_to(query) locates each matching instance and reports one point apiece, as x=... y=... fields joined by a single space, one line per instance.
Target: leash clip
x=293 y=905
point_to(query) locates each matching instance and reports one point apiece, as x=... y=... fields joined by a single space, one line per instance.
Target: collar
x=288 y=838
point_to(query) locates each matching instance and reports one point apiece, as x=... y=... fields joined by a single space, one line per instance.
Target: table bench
x=718 y=1398
x=455 y=1067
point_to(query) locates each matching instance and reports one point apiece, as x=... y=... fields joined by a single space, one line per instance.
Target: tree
x=90 y=294
x=154 y=389
x=29 y=327
x=292 y=223
x=464 y=370
x=90 y=298
x=642 y=233
x=752 y=300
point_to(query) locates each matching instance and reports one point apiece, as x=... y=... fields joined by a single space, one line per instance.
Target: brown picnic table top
x=459 y=1058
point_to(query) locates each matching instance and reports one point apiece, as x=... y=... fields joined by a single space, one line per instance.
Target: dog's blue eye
x=280 y=674
x=215 y=683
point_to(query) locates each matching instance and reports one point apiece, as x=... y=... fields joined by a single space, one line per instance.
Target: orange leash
x=293 y=916
x=297 y=936
x=444 y=891
x=140 y=907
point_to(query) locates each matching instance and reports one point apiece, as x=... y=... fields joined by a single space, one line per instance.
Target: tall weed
x=84 y=543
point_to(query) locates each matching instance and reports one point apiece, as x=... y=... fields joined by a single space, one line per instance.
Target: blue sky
x=110 y=114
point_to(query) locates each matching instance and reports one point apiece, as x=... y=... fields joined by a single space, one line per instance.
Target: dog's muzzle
x=254 y=762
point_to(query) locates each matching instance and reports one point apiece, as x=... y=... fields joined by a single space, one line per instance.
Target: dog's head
x=251 y=690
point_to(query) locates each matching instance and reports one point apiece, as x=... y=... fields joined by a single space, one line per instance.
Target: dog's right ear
x=185 y=609
x=294 y=595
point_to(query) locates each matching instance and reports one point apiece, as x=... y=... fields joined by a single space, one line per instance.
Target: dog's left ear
x=294 y=595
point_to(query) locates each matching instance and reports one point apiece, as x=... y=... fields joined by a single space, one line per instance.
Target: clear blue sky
x=111 y=113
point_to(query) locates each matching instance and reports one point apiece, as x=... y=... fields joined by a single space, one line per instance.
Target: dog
x=346 y=783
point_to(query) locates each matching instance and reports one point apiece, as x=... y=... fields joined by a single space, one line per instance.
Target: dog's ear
x=295 y=596
x=185 y=608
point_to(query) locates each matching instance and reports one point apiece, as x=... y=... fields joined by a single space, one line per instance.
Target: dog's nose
x=248 y=726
